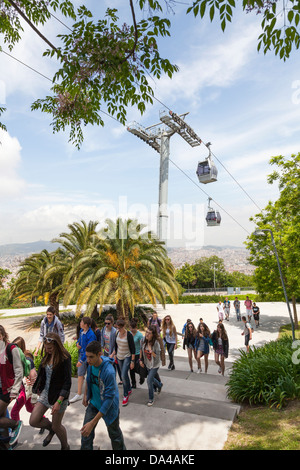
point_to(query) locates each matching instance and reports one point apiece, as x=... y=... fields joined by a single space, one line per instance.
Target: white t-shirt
x=247 y=328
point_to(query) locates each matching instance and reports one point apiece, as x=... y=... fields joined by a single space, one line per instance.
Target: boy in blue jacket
x=101 y=398
x=86 y=335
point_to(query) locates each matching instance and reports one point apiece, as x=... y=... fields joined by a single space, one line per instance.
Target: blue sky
x=245 y=103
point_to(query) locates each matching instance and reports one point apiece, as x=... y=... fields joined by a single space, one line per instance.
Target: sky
x=245 y=103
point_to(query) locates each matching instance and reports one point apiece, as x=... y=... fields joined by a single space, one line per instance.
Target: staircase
x=192 y=412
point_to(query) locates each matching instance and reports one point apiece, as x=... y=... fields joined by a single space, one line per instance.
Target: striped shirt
x=123 y=348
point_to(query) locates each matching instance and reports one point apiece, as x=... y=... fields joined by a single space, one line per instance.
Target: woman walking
x=150 y=359
x=11 y=377
x=170 y=338
x=25 y=398
x=189 y=341
x=125 y=353
x=53 y=385
x=137 y=336
x=221 y=346
x=202 y=345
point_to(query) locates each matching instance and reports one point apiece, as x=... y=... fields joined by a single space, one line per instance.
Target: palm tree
x=124 y=266
x=34 y=279
x=79 y=237
x=74 y=243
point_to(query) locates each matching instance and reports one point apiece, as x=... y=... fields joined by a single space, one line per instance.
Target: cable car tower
x=159 y=139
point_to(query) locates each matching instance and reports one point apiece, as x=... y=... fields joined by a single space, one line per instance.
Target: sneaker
x=130 y=392
x=76 y=398
x=219 y=370
x=199 y=371
x=150 y=402
x=125 y=401
x=159 y=390
x=15 y=433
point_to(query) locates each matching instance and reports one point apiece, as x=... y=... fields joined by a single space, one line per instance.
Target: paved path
x=191 y=413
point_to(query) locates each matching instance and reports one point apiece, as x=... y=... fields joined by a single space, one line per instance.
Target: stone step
x=187 y=404
x=181 y=360
x=213 y=387
x=194 y=376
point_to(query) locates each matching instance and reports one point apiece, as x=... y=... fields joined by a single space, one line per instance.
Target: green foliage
x=42 y=274
x=280 y=23
x=210 y=299
x=283 y=218
x=123 y=265
x=103 y=62
x=3 y=274
x=2 y=126
x=266 y=375
x=107 y=65
x=201 y=274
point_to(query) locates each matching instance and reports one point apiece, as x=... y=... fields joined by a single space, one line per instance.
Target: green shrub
x=211 y=299
x=265 y=375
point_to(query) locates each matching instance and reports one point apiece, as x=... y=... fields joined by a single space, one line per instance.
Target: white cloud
x=11 y=184
x=210 y=64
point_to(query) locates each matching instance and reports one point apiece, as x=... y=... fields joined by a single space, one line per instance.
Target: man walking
x=227 y=308
x=237 y=306
x=101 y=398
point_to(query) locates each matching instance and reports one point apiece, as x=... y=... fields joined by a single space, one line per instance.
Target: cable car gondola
x=207 y=171
x=213 y=218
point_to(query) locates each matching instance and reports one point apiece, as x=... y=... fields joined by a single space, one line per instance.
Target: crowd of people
x=102 y=356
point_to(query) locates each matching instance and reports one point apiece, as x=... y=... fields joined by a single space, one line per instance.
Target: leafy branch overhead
x=280 y=21
x=101 y=62
x=107 y=65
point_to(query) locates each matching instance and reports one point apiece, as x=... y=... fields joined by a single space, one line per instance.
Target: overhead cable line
x=112 y=117
x=159 y=101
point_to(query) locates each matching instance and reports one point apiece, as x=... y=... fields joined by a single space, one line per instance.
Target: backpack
x=25 y=362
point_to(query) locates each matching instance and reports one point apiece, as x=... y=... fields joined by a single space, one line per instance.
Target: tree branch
x=32 y=25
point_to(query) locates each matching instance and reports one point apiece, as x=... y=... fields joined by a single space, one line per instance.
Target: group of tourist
x=110 y=352
x=198 y=341
x=223 y=309
x=251 y=310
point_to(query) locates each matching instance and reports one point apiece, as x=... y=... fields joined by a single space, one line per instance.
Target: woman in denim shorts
x=53 y=385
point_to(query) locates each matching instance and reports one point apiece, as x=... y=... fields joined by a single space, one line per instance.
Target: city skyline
x=245 y=103
x=235 y=259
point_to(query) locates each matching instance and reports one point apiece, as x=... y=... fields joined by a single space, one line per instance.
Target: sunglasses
x=49 y=340
x=107 y=323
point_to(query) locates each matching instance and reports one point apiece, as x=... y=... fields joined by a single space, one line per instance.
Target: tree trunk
x=123 y=311
x=53 y=302
x=95 y=313
x=295 y=313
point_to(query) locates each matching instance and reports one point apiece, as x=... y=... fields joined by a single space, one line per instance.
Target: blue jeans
x=124 y=367
x=113 y=429
x=152 y=382
x=170 y=349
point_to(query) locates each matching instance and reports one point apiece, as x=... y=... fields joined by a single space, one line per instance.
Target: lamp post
x=263 y=232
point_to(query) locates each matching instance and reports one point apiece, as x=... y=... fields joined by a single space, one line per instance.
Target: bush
x=211 y=299
x=265 y=375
